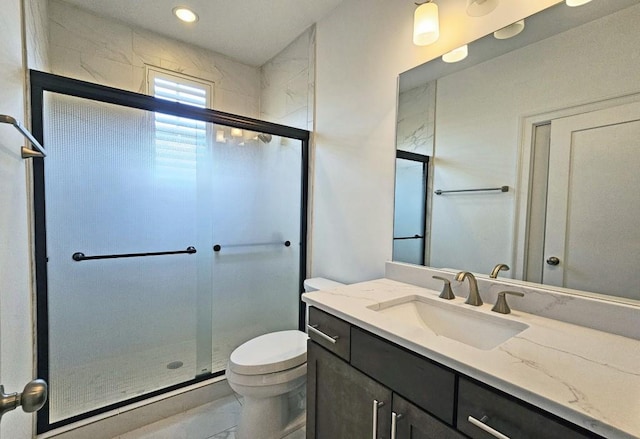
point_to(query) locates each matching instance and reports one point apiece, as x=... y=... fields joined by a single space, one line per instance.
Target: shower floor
x=77 y=390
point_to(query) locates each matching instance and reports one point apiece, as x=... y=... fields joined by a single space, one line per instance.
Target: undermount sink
x=457 y=322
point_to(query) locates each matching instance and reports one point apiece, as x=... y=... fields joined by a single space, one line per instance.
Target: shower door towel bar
x=409 y=237
x=25 y=152
x=218 y=247
x=501 y=189
x=81 y=257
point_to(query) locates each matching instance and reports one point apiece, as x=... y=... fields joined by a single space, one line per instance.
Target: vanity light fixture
x=185 y=14
x=478 y=8
x=426 y=26
x=574 y=3
x=220 y=137
x=456 y=54
x=509 y=31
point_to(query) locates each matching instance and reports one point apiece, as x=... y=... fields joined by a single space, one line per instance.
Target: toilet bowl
x=270 y=372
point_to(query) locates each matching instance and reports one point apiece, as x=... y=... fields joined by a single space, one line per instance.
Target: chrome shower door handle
x=482 y=426
x=374 y=428
x=394 y=424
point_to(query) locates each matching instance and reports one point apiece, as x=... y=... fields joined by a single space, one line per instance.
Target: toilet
x=270 y=372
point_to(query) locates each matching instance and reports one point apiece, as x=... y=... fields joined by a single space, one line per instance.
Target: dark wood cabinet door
x=414 y=423
x=340 y=399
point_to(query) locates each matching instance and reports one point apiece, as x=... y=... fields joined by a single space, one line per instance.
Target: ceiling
x=249 y=31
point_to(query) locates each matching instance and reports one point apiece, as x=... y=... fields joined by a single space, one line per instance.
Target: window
x=178 y=139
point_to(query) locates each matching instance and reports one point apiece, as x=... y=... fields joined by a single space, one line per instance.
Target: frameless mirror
x=532 y=145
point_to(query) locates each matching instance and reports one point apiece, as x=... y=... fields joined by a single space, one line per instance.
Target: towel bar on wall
x=501 y=189
x=25 y=152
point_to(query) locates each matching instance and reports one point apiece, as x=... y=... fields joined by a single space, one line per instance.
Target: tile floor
x=216 y=420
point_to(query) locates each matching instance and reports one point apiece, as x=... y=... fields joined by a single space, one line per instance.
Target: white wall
x=478 y=126
x=105 y=51
x=16 y=365
x=361 y=48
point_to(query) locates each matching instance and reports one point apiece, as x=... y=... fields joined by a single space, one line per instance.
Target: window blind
x=177 y=139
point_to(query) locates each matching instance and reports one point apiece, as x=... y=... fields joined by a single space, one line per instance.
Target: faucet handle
x=501 y=305
x=446 y=293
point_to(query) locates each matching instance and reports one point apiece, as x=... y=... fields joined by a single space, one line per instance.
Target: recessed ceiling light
x=185 y=14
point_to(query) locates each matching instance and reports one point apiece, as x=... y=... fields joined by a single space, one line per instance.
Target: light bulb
x=509 y=31
x=456 y=54
x=478 y=8
x=426 y=28
x=574 y=3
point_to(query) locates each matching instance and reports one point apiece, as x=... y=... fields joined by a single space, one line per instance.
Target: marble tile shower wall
x=37 y=34
x=416 y=119
x=288 y=84
x=109 y=52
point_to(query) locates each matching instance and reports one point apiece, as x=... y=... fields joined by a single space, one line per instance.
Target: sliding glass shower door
x=119 y=322
x=168 y=241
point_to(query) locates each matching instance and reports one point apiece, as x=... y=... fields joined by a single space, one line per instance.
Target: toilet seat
x=270 y=353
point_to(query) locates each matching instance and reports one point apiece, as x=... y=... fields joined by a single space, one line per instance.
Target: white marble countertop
x=589 y=377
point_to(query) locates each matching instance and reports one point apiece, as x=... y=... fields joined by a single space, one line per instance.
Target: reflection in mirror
x=409 y=226
x=554 y=114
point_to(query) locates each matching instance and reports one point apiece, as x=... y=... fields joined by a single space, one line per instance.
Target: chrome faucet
x=474 y=297
x=497 y=269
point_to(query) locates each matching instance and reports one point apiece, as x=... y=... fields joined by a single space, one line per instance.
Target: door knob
x=31 y=399
x=553 y=260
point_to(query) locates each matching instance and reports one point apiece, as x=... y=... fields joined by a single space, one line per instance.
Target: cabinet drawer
x=514 y=419
x=421 y=381
x=414 y=423
x=332 y=328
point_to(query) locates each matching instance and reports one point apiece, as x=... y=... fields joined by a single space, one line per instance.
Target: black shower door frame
x=41 y=82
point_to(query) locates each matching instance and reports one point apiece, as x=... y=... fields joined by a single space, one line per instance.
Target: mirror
x=529 y=118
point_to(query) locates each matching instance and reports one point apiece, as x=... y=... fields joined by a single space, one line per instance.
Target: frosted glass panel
x=122 y=181
x=409 y=212
x=256 y=199
x=115 y=324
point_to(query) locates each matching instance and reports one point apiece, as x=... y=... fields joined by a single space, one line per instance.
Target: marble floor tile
x=203 y=422
x=230 y=434
x=216 y=420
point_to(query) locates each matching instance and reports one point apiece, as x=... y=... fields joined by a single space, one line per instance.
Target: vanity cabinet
x=358 y=383
x=352 y=400
x=415 y=423
x=341 y=400
x=481 y=407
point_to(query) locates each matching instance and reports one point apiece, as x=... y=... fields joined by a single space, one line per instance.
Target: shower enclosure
x=166 y=235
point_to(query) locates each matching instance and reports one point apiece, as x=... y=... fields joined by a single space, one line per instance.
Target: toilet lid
x=269 y=353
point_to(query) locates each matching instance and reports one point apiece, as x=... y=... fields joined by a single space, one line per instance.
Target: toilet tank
x=320 y=283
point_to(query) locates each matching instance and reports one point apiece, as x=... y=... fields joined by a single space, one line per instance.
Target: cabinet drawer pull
x=481 y=425
x=394 y=421
x=329 y=338
x=376 y=405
